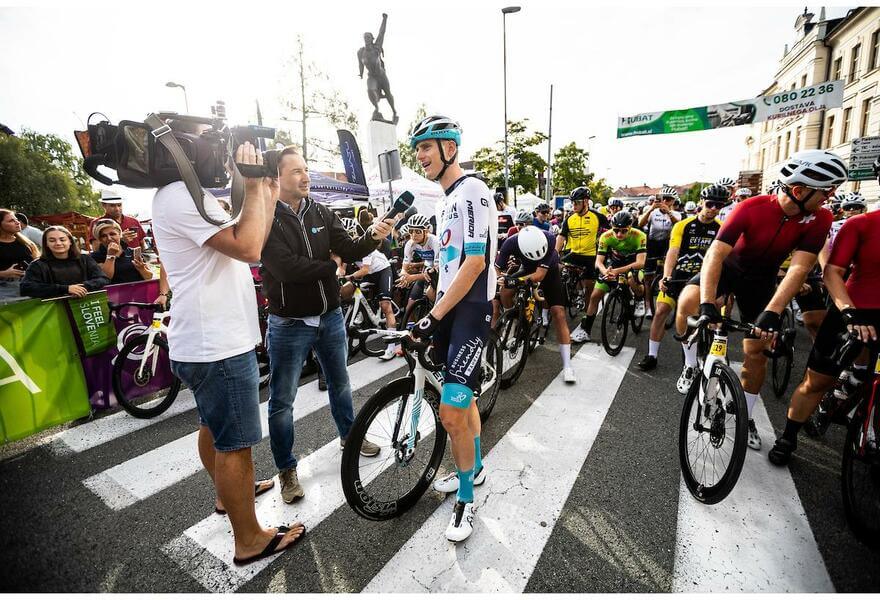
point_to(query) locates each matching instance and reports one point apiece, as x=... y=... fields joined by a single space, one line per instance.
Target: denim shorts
x=227 y=394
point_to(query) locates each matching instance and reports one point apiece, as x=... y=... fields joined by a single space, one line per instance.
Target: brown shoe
x=291 y=490
x=368 y=448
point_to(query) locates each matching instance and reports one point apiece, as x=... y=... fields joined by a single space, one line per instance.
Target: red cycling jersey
x=858 y=244
x=763 y=236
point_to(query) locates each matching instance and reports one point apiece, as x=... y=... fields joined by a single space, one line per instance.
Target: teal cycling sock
x=465 y=486
x=478 y=460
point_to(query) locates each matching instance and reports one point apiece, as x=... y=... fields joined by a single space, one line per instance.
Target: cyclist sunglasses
x=620 y=229
x=710 y=204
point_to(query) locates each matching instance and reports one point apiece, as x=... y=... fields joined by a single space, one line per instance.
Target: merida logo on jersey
x=470 y=211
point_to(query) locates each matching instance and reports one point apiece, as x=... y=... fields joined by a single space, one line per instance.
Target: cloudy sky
x=62 y=61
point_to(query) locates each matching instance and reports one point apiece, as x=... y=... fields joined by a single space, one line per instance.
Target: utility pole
x=302 y=87
x=549 y=190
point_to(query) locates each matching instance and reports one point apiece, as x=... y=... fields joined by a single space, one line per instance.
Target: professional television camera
x=168 y=147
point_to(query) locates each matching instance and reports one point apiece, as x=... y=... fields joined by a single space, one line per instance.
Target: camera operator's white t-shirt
x=213 y=305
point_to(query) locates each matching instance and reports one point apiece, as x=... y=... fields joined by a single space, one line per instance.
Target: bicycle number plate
x=719 y=348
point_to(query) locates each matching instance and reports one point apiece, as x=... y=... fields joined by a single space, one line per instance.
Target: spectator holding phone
x=132 y=232
x=62 y=270
x=16 y=253
x=119 y=262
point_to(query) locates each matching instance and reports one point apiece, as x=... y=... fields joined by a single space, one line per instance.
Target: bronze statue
x=371 y=56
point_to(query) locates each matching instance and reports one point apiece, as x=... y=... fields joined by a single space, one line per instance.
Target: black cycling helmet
x=542 y=207
x=579 y=194
x=615 y=202
x=499 y=197
x=622 y=219
x=715 y=193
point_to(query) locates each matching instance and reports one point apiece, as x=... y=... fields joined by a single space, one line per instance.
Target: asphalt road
x=617 y=528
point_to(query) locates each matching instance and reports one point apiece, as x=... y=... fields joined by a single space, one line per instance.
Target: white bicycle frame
x=151 y=351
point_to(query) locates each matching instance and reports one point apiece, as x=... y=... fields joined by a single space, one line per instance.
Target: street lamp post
x=171 y=84
x=504 y=12
x=590 y=154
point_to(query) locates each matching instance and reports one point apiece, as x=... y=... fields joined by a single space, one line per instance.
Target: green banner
x=93 y=323
x=41 y=378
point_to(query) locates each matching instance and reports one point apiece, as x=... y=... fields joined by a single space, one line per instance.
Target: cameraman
x=306 y=245
x=211 y=341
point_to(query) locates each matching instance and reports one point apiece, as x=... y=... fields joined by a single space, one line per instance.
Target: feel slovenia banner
x=743 y=112
x=41 y=379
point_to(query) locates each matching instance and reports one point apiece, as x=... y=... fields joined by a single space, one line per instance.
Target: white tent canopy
x=528 y=201
x=426 y=192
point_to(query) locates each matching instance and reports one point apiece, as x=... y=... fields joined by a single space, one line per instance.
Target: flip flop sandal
x=271 y=548
x=258 y=491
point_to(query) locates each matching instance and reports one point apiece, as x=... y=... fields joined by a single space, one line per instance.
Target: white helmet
x=853 y=201
x=743 y=193
x=690 y=206
x=403 y=231
x=418 y=221
x=523 y=216
x=532 y=242
x=669 y=192
x=816 y=169
x=726 y=182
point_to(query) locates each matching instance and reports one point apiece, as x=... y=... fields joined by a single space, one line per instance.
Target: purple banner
x=129 y=322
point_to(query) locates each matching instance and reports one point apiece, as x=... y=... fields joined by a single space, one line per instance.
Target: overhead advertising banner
x=744 y=112
x=861 y=160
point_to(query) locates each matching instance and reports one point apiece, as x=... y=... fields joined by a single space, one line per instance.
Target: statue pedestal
x=383 y=137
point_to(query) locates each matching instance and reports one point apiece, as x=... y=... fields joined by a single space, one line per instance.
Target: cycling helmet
x=580 y=194
x=877 y=168
x=715 y=193
x=403 y=231
x=726 y=182
x=555 y=229
x=690 y=207
x=499 y=197
x=615 y=202
x=437 y=127
x=854 y=201
x=523 y=217
x=641 y=205
x=532 y=243
x=669 y=192
x=816 y=169
x=541 y=207
x=622 y=219
x=350 y=225
x=418 y=221
x=743 y=193
x=557 y=213
x=568 y=207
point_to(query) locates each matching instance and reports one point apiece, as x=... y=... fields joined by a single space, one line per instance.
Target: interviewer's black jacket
x=299 y=277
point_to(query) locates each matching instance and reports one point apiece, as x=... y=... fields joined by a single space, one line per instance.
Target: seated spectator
x=119 y=262
x=62 y=270
x=16 y=253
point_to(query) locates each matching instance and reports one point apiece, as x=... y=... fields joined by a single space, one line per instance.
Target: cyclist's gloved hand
x=768 y=321
x=708 y=309
x=854 y=316
x=426 y=327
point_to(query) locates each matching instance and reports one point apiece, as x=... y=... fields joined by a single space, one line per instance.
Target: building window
x=875 y=50
x=797 y=139
x=854 y=63
x=763 y=166
x=787 y=143
x=866 y=116
x=830 y=128
x=778 y=147
x=847 y=117
x=804 y=80
x=836 y=70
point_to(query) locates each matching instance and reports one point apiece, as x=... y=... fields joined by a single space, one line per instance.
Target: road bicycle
x=572 y=293
x=142 y=380
x=714 y=426
x=403 y=419
x=519 y=328
x=361 y=315
x=618 y=315
x=782 y=354
x=420 y=308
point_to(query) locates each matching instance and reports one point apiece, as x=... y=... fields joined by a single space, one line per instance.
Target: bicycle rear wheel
x=411 y=439
x=512 y=333
x=860 y=480
x=142 y=391
x=781 y=366
x=415 y=313
x=713 y=435
x=490 y=379
x=615 y=321
x=354 y=342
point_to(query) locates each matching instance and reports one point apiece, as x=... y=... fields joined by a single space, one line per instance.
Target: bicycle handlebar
x=701 y=322
x=409 y=345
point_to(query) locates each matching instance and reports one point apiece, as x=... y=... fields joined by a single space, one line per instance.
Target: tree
x=39 y=174
x=407 y=154
x=569 y=169
x=525 y=164
x=600 y=190
x=693 y=193
x=315 y=98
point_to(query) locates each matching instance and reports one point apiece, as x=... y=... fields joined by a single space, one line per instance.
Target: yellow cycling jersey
x=581 y=233
x=692 y=237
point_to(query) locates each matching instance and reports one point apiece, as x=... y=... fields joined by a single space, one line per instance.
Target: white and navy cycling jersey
x=725 y=212
x=835 y=228
x=467 y=222
x=428 y=253
x=660 y=225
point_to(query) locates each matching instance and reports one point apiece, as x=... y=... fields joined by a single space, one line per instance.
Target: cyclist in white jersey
x=741 y=194
x=467 y=224
x=421 y=252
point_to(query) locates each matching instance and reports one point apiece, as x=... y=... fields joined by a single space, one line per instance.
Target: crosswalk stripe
x=757 y=539
x=531 y=471
x=100 y=431
x=142 y=476
x=319 y=476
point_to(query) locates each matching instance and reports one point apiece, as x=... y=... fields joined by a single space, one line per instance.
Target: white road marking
x=142 y=476
x=531 y=471
x=757 y=539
